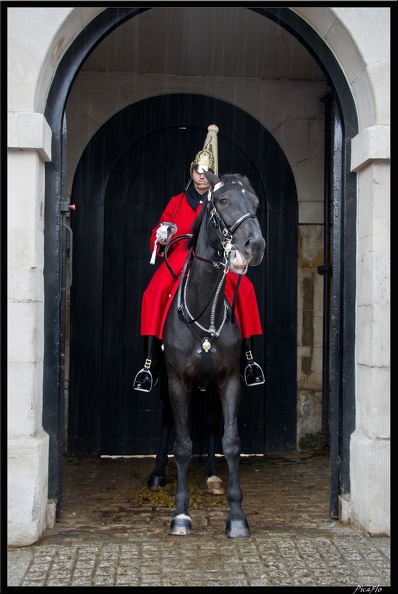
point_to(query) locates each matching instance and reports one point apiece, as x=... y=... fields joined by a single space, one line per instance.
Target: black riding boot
x=251 y=371
x=148 y=376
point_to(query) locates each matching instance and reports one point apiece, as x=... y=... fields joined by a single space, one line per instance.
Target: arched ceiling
x=233 y=41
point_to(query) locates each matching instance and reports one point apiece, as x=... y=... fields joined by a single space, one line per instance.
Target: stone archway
x=96 y=30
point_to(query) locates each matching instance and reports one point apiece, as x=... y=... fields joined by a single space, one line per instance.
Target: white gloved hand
x=165 y=232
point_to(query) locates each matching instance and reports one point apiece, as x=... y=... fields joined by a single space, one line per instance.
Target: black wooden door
x=131 y=168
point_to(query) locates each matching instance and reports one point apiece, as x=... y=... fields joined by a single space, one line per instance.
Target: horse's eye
x=223 y=201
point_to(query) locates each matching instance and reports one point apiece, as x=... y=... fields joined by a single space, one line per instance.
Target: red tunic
x=159 y=294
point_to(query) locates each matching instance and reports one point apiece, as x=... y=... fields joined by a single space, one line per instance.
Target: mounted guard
x=179 y=217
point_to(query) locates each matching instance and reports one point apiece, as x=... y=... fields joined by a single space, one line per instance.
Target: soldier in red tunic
x=179 y=215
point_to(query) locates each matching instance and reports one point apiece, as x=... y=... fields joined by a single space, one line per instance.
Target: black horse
x=202 y=341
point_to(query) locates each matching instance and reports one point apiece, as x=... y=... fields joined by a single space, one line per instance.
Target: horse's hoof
x=156 y=481
x=215 y=485
x=180 y=525
x=237 y=528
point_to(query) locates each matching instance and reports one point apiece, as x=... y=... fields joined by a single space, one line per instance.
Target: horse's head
x=232 y=205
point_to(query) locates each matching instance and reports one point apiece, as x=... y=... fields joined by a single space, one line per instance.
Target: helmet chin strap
x=202 y=185
x=198 y=185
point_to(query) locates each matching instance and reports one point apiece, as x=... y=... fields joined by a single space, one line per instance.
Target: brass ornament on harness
x=206 y=344
x=227 y=246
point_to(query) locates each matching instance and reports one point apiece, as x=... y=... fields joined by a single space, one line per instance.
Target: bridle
x=225 y=233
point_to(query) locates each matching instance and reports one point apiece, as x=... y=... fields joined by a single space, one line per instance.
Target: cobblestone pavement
x=113 y=531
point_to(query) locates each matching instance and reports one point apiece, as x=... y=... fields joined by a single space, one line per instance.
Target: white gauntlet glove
x=165 y=232
x=163 y=235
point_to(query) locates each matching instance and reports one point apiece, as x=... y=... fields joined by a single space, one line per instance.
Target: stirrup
x=253 y=374
x=143 y=381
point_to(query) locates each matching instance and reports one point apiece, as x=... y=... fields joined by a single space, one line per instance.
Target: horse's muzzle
x=255 y=251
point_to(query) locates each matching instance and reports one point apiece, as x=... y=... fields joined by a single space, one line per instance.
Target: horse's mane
x=196 y=225
x=228 y=180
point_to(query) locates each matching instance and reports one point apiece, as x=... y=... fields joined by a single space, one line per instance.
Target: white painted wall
x=27 y=442
x=37 y=38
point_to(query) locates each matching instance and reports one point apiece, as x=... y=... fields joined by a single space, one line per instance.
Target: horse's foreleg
x=236 y=524
x=181 y=522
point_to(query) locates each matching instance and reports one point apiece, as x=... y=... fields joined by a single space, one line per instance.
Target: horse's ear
x=211 y=178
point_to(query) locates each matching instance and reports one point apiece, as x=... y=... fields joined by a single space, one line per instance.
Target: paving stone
x=111 y=537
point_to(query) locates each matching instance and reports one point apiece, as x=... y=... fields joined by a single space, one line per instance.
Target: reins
x=173 y=240
x=188 y=260
x=187 y=263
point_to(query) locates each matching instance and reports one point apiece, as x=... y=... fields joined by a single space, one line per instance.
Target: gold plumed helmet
x=208 y=157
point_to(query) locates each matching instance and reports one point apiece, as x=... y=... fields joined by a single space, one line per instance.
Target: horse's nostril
x=256 y=244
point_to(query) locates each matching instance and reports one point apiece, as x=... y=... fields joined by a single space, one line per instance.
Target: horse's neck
x=206 y=282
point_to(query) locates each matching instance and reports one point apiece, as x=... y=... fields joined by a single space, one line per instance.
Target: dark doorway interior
x=133 y=165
